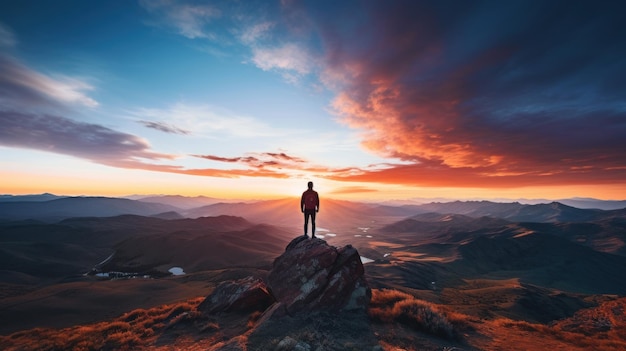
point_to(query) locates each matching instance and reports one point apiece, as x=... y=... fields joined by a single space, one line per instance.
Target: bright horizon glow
x=251 y=102
x=258 y=189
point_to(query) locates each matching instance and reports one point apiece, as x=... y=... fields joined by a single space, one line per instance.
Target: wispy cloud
x=283 y=165
x=206 y=119
x=164 y=127
x=22 y=87
x=252 y=34
x=256 y=26
x=187 y=19
x=261 y=160
x=290 y=60
x=7 y=37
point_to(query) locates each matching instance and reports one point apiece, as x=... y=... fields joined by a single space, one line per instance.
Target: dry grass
x=601 y=328
x=131 y=331
x=393 y=306
x=397 y=316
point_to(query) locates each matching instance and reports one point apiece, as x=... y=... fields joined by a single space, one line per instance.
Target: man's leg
x=313 y=224
x=306 y=222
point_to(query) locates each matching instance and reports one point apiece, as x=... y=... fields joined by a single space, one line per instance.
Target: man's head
x=310 y=185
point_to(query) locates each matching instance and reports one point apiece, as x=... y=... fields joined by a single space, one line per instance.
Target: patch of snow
x=368 y=236
x=176 y=271
x=387 y=254
x=330 y=234
x=363 y=229
x=365 y=260
x=102 y=275
x=357 y=235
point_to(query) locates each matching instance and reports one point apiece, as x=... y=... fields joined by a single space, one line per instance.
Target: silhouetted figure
x=309 y=205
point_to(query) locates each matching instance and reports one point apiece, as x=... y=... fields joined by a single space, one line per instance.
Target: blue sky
x=252 y=99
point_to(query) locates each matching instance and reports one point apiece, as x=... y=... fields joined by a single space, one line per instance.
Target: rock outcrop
x=312 y=276
x=243 y=295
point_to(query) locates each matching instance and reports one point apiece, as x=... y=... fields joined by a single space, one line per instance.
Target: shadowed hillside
x=58 y=209
x=516 y=212
x=74 y=246
x=543 y=260
x=198 y=250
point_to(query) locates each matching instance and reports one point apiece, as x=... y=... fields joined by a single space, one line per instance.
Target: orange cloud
x=465 y=107
x=260 y=160
x=433 y=175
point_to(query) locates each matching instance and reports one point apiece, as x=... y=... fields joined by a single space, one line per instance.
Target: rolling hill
x=48 y=252
x=576 y=257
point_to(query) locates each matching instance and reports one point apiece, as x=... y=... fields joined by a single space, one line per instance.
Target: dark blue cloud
x=65 y=136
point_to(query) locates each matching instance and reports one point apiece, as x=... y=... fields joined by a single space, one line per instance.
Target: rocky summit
x=314 y=291
x=312 y=276
x=309 y=276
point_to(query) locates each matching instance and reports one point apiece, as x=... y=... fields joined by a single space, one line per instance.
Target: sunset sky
x=368 y=99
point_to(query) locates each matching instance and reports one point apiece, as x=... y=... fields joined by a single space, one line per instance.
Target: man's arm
x=318 y=202
x=302 y=203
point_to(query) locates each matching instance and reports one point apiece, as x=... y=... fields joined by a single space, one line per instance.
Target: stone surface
x=245 y=295
x=312 y=275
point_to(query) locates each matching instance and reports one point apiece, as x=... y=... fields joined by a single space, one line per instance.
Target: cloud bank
x=481 y=93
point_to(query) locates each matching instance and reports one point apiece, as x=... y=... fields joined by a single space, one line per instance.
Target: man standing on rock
x=309 y=205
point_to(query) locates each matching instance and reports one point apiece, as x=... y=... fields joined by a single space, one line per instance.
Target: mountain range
x=50 y=208
x=69 y=261
x=68 y=207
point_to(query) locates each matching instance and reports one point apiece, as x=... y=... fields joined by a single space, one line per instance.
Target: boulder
x=243 y=295
x=312 y=276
